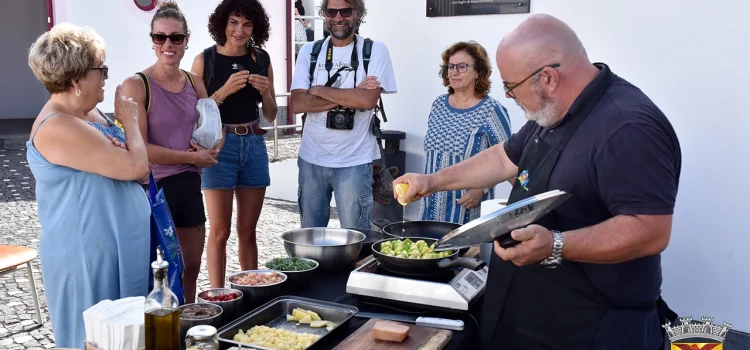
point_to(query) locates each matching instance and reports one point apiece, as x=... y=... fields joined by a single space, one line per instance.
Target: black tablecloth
x=331 y=287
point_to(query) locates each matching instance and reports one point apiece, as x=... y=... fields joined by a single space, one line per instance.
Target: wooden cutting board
x=425 y=338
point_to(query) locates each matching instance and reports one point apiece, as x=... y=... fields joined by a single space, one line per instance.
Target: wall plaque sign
x=448 y=8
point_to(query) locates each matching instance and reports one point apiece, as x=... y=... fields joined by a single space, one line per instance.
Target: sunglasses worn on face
x=347 y=12
x=509 y=90
x=103 y=71
x=176 y=39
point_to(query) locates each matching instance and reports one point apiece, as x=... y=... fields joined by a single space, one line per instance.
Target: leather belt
x=242 y=130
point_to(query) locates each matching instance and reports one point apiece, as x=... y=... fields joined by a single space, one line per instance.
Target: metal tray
x=273 y=314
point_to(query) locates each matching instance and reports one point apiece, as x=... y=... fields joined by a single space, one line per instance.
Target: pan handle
x=506 y=241
x=467 y=263
x=380 y=223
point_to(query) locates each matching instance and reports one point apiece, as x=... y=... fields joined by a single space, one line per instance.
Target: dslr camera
x=340 y=119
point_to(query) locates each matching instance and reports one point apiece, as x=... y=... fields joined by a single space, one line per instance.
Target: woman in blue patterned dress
x=462 y=123
x=95 y=217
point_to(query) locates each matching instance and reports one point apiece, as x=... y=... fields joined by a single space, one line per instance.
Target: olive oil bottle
x=162 y=310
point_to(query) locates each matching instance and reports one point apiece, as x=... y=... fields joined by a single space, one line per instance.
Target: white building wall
x=125 y=29
x=688 y=56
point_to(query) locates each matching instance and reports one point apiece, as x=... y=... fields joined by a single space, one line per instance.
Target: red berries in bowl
x=223 y=297
x=219 y=295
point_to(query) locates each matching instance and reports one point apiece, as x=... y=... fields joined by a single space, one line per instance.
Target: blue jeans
x=352 y=187
x=243 y=162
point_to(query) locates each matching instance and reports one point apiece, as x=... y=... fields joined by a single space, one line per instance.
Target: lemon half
x=401 y=192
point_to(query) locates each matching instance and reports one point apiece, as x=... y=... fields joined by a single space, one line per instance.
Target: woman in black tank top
x=238 y=76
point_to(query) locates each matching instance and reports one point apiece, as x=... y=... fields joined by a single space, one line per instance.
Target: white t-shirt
x=341 y=148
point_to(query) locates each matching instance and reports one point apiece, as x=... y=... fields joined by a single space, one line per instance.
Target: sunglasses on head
x=176 y=39
x=347 y=12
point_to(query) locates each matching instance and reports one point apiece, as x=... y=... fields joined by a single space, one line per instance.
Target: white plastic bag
x=208 y=129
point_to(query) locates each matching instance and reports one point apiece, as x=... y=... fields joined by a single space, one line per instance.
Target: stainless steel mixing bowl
x=332 y=248
x=230 y=307
x=255 y=295
x=215 y=320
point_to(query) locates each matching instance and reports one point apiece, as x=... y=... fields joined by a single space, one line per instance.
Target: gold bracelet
x=218 y=101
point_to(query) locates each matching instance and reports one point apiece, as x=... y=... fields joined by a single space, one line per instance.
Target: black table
x=331 y=287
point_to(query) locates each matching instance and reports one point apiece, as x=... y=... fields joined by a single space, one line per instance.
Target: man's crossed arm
x=322 y=98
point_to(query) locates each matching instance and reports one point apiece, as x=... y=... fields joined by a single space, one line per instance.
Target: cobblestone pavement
x=19 y=225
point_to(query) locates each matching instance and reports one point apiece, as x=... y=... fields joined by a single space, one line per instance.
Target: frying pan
x=422 y=267
x=425 y=228
x=371 y=236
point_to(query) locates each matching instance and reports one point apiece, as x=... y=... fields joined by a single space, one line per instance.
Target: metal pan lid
x=493 y=225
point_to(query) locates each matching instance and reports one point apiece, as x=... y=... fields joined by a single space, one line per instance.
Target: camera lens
x=339 y=119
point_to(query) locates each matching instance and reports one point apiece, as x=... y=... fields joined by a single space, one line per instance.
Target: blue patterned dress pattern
x=454 y=135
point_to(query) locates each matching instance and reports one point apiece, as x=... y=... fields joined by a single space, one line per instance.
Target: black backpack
x=366 y=53
x=209 y=61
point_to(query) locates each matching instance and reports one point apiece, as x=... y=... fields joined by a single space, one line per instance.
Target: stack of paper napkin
x=116 y=325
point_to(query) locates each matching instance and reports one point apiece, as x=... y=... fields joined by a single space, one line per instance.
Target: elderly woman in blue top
x=95 y=217
x=462 y=123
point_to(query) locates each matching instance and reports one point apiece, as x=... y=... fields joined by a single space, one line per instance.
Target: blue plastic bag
x=164 y=235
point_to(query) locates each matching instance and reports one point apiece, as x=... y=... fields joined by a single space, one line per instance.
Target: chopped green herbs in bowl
x=291 y=264
x=298 y=270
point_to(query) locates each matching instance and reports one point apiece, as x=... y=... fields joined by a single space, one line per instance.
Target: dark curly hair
x=249 y=9
x=481 y=64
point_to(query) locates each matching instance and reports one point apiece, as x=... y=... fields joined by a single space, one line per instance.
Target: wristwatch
x=557 y=245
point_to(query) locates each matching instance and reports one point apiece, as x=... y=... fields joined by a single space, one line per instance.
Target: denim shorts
x=242 y=162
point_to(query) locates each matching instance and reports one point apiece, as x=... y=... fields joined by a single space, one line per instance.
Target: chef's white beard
x=548 y=114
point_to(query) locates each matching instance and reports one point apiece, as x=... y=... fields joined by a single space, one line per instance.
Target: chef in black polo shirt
x=587 y=275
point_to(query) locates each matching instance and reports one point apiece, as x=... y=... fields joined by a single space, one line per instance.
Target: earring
x=152 y=47
x=187 y=47
x=78 y=92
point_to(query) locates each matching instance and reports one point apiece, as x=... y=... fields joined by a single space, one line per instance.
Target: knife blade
x=434 y=322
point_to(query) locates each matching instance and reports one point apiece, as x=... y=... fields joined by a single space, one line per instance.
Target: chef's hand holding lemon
x=411 y=187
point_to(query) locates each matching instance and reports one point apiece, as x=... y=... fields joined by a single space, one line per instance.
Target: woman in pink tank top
x=170 y=118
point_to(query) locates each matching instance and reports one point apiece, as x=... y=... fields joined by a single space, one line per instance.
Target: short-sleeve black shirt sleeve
x=637 y=171
x=514 y=146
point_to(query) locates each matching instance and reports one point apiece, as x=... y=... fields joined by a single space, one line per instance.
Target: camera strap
x=329 y=63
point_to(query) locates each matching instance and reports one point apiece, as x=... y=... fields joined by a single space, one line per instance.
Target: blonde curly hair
x=65 y=54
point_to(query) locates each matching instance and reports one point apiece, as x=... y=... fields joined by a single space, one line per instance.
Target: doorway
x=22 y=21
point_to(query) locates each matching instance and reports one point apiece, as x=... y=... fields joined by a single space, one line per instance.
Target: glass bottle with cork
x=162 y=310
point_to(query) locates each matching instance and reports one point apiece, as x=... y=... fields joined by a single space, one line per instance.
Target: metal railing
x=318 y=30
x=275 y=127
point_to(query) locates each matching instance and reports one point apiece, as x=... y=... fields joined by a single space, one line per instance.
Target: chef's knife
x=434 y=322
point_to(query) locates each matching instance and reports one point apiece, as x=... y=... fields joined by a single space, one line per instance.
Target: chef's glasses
x=509 y=89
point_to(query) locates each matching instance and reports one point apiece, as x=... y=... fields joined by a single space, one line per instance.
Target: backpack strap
x=366 y=53
x=209 y=60
x=263 y=60
x=313 y=62
x=189 y=78
x=147 y=86
x=314 y=57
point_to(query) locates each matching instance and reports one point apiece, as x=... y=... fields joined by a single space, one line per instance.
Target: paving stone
x=22 y=339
